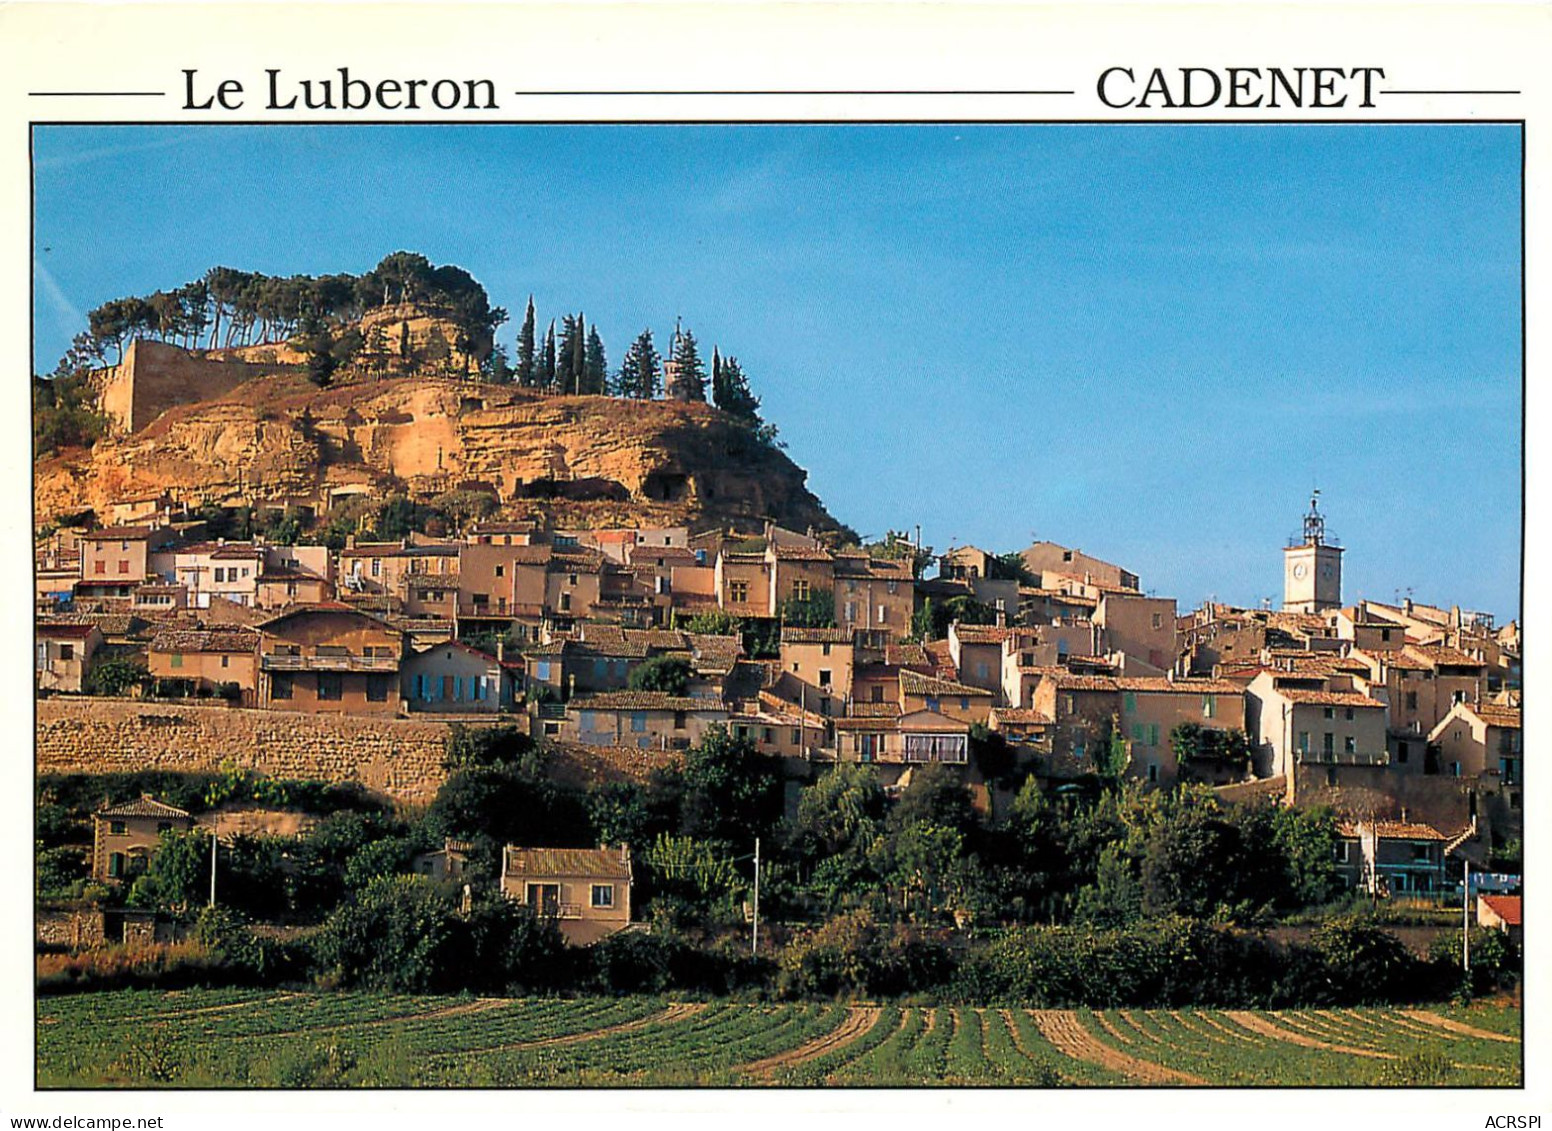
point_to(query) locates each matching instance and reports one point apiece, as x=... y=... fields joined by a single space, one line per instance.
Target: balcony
x=1342 y=758
x=278 y=662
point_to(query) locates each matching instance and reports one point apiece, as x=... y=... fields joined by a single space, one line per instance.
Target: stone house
x=454 y=678
x=125 y=836
x=743 y=584
x=446 y=864
x=1292 y=726
x=957 y=701
x=1502 y=913
x=914 y=737
x=977 y=652
x=819 y=661
x=205 y=658
x=585 y=891
x=1140 y=628
x=63 y=654
x=1422 y=684
x=1151 y=709
x=330 y=658
x=1044 y=557
x=1083 y=709
x=1390 y=857
x=1476 y=739
x=873 y=594
x=114 y=559
x=798 y=573
x=647 y=720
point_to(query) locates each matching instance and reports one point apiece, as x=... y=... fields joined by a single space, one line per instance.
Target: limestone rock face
x=593 y=460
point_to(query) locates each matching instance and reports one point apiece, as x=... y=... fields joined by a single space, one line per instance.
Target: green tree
x=730 y=389
x=668 y=674
x=596 y=364
x=730 y=791
x=547 y=372
x=177 y=877
x=397 y=936
x=689 y=371
x=569 y=354
x=817 y=610
x=641 y=372
x=115 y=676
x=712 y=622
x=527 y=372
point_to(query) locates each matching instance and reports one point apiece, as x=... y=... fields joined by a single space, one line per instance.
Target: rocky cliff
x=593 y=460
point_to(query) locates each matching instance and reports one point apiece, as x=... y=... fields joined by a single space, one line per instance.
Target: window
x=377 y=567
x=501 y=571
x=1069 y=704
x=1329 y=712
x=117 y=828
x=1328 y=743
x=1514 y=801
x=1401 y=753
x=603 y=895
x=377 y=689
x=797 y=736
x=1385 y=634
x=679 y=720
x=1350 y=745
x=1420 y=853
x=1304 y=742
x=851 y=614
x=100 y=567
x=1129 y=700
x=1340 y=851
x=1454 y=769
x=1349 y=714
x=877 y=693
x=1209 y=706
x=638 y=721
x=767 y=735
x=331 y=686
x=565 y=602
x=1137 y=732
x=279 y=686
x=964 y=703
x=123 y=566
x=226 y=661
x=67 y=651
x=825 y=677
x=163 y=827
x=1158 y=620
x=176 y=660
x=824 y=705
x=824 y=649
x=801 y=590
x=738 y=592
x=1411 y=700
x=1153 y=771
x=883 y=614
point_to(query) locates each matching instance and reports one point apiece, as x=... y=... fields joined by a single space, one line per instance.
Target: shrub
x=853 y=955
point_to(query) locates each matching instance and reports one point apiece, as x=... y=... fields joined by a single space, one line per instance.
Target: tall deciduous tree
x=525 y=348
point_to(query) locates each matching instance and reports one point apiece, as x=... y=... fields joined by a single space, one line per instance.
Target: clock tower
x=1312 y=567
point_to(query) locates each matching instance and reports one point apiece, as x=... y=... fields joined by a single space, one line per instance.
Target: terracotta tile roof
x=1393 y=830
x=1022 y=715
x=241 y=551
x=1179 y=686
x=914 y=683
x=143 y=806
x=796 y=635
x=906 y=655
x=109 y=624
x=122 y=533
x=733 y=557
x=234 y=639
x=1329 y=698
x=874 y=710
x=716 y=654
x=586 y=863
x=1439 y=655
x=1495 y=715
x=888 y=722
x=553 y=648
x=644 y=701
x=65 y=631
x=431 y=581
x=801 y=554
x=981 y=633
x=504 y=528
x=1071 y=681
x=1506 y=907
x=577 y=559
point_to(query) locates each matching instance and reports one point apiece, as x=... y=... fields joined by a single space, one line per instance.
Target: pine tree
x=640 y=370
x=525 y=348
x=731 y=392
x=689 y=378
x=597 y=364
x=579 y=356
x=566 y=354
x=547 y=363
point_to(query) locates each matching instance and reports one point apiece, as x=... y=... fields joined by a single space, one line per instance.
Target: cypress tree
x=597 y=364
x=732 y=393
x=525 y=348
x=547 y=363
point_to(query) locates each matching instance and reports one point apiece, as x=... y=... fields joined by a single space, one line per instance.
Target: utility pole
x=754 y=942
x=1465 y=920
x=212 y=867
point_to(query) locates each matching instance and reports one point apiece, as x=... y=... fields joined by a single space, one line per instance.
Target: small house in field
x=586 y=891
x=1501 y=913
x=449 y=862
x=126 y=836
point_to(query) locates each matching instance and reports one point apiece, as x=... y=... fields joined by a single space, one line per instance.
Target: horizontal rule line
x=96 y=94
x=770 y=93
x=1449 y=92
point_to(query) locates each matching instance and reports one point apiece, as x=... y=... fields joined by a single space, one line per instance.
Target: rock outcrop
x=585 y=459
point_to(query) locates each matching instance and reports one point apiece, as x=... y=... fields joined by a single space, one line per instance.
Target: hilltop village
x=619 y=706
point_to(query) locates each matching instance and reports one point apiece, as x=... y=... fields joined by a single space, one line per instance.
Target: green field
x=236 y=1038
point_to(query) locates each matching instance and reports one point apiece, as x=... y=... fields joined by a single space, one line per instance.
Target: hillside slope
x=592 y=460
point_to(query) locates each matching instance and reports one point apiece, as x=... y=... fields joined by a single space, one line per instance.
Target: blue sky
x=1148 y=342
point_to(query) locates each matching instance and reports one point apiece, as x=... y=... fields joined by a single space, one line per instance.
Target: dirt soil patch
x=1063 y=1029
x=860 y=1019
x=1457 y=1027
x=1266 y=1028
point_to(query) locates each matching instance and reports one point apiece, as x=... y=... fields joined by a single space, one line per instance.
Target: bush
x=852 y=955
x=1364 y=963
x=58 y=869
x=115 y=677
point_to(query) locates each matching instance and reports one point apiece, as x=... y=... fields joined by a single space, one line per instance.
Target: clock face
x=1299 y=570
